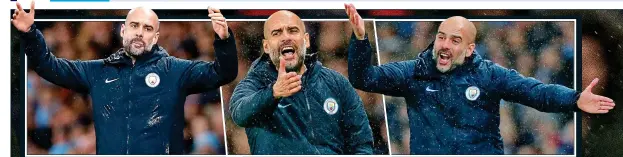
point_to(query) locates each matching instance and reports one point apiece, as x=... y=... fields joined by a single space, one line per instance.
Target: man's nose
x=446 y=44
x=139 y=33
x=286 y=39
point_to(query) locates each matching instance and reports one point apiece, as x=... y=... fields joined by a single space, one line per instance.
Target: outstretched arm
x=202 y=76
x=62 y=72
x=548 y=97
x=385 y=79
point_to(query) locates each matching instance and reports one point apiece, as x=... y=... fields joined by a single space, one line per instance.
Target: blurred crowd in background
x=543 y=50
x=329 y=40
x=59 y=121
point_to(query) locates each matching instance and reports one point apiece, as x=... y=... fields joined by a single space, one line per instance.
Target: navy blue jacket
x=325 y=117
x=137 y=109
x=455 y=112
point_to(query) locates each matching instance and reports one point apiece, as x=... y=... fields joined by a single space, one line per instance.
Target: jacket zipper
x=309 y=112
x=129 y=111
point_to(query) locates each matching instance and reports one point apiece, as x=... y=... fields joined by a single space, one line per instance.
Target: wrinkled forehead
x=282 y=19
x=458 y=26
x=451 y=27
x=143 y=16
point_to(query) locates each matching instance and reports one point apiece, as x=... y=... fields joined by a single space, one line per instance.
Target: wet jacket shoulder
x=455 y=112
x=390 y=78
x=137 y=107
x=393 y=78
x=71 y=74
x=78 y=75
x=325 y=117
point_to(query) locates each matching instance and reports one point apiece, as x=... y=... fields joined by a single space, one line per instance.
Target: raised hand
x=23 y=20
x=356 y=22
x=287 y=83
x=218 y=22
x=592 y=103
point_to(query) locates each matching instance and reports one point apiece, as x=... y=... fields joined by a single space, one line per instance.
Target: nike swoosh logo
x=109 y=81
x=430 y=90
x=283 y=106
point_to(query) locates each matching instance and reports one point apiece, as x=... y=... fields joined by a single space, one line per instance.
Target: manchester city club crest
x=331 y=106
x=152 y=80
x=472 y=93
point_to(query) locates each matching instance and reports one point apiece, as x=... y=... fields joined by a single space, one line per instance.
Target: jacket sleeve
x=534 y=93
x=251 y=103
x=357 y=131
x=62 y=72
x=202 y=76
x=387 y=79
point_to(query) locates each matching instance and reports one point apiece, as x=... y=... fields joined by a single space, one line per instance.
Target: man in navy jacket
x=138 y=92
x=453 y=94
x=290 y=104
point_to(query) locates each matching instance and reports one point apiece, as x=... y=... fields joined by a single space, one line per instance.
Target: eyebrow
x=145 y=25
x=452 y=35
x=150 y=26
x=277 y=30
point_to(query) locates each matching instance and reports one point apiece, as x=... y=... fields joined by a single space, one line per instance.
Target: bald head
x=280 y=18
x=285 y=39
x=144 y=14
x=461 y=24
x=453 y=43
x=140 y=31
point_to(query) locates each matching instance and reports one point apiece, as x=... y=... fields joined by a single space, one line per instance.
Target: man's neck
x=132 y=57
x=303 y=69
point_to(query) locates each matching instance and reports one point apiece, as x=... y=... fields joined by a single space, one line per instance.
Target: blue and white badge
x=330 y=106
x=152 y=80
x=472 y=93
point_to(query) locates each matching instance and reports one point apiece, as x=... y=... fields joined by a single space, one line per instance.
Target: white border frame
x=108 y=6
x=575 y=72
x=335 y=4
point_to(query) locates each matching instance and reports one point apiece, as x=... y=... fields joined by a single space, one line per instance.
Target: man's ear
x=122 y=32
x=155 y=39
x=470 y=49
x=265 y=45
x=307 y=40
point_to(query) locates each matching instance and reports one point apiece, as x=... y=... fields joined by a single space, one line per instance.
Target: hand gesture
x=23 y=20
x=592 y=103
x=218 y=22
x=356 y=22
x=287 y=83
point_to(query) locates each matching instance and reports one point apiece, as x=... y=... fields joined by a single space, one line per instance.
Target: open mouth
x=444 y=58
x=138 y=44
x=287 y=52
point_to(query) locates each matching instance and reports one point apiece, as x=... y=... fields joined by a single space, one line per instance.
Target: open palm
x=23 y=20
x=593 y=103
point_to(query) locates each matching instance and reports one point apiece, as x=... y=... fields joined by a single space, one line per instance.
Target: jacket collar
x=121 y=58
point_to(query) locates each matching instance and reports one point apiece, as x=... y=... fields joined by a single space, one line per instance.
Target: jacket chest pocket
x=150 y=81
x=107 y=95
x=326 y=106
x=461 y=97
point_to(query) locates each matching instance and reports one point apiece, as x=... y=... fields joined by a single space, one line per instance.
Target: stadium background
x=60 y=120
x=329 y=40
x=602 y=56
x=543 y=50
